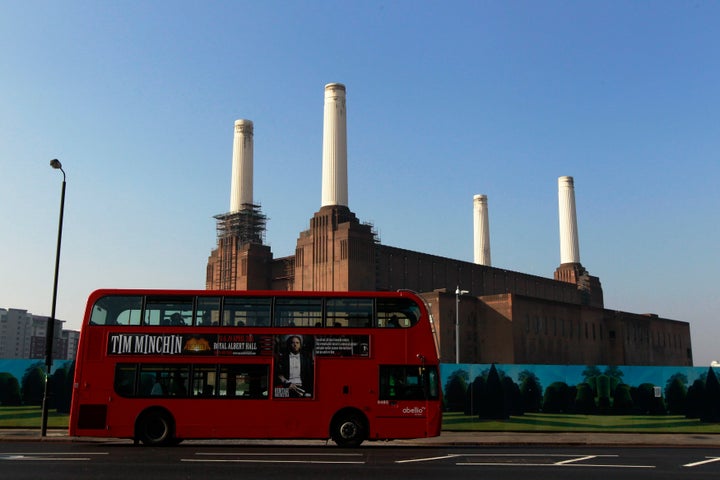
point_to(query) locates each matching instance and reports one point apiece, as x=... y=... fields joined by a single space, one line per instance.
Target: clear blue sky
x=445 y=100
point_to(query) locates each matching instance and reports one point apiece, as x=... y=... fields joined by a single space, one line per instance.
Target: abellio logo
x=414 y=410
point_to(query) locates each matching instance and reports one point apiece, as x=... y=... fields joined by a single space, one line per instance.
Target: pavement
x=447 y=438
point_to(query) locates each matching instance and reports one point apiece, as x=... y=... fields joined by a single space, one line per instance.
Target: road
x=225 y=460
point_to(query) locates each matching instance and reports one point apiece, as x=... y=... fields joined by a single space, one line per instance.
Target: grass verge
x=30 y=417
x=541 y=422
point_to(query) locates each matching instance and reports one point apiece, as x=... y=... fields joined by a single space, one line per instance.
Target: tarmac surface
x=447 y=438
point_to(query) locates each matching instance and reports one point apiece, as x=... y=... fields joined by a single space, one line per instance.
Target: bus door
x=404 y=393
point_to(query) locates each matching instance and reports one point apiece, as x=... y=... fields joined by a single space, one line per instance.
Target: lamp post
x=458 y=292
x=50 y=330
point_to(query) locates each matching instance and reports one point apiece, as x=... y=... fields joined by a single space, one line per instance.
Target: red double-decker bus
x=162 y=366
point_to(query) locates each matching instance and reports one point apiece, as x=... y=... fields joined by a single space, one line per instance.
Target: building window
x=343 y=249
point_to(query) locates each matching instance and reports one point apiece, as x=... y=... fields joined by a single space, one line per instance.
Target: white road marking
x=239 y=454
x=572 y=461
x=578 y=459
x=702 y=462
x=502 y=464
x=43 y=457
x=258 y=460
x=428 y=459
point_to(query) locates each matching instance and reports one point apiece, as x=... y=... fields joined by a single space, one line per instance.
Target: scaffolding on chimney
x=235 y=229
x=247 y=225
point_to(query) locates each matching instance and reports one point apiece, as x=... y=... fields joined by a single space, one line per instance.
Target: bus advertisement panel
x=162 y=366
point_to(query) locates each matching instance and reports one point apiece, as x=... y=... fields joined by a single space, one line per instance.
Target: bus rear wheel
x=348 y=430
x=155 y=428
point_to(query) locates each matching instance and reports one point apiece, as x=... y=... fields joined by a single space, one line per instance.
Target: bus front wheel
x=154 y=428
x=348 y=430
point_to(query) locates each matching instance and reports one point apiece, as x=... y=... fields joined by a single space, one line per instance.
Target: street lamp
x=458 y=292
x=50 y=330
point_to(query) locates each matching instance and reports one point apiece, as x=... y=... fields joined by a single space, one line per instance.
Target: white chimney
x=334 y=160
x=241 y=187
x=569 y=249
x=482 y=230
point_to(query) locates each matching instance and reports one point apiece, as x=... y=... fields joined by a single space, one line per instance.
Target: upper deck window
x=247 y=311
x=117 y=310
x=298 y=312
x=349 y=312
x=168 y=311
x=397 y=312
x=208 y=311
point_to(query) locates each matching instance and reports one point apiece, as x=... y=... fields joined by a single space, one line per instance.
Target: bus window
x=99 y=315
x=298 y=312
x=349 y=312
x=175 y=311
x=243 y=381
x=397 y=312
x=208 y=311
x=162 y=380
x=117 y=310
x=247 y=311
x=408 y=382
x=204 y=380
x=125 y=379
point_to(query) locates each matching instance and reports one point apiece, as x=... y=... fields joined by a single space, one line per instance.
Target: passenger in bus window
x=176 y=319
x=157 y=388
x=177 y=385
x=394 y=322
x=295 y=369
x=205 y=321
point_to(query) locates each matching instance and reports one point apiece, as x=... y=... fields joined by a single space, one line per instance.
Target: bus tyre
x=155 y=428
x=348 y=430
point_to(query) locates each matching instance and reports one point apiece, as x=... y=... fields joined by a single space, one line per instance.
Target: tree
x=711 y=403
x=585 y=399
x=531 y=391
x=456 y=390
x=590 y=372
x=622 y=400
x=9 y=389
x=557 y=398
x=33 y=384
x=676 y=376
x=613 y=371
x=602 y=392
x=676 y=393
x=492 y=405
x=695 y=398
x=69 y=382
x=61 y=387
x=474 y=396
x=513 y=397
x=645 y=400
